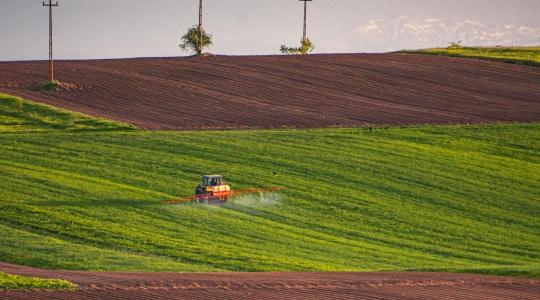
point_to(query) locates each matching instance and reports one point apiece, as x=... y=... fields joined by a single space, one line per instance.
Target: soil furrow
x=220 y=92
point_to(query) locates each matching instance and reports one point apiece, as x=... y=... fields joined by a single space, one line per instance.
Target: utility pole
x=200 y=26
x=51 y=58
x=304 y=36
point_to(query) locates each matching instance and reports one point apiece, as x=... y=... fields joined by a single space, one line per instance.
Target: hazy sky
x=128 y=28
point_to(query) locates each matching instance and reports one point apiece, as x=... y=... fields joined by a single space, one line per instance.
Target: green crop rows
x=518 y=55
x=449 y=198
x=13 y=282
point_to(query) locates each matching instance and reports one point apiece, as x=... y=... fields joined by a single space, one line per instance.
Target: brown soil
x=219 y=92
x=117 y=285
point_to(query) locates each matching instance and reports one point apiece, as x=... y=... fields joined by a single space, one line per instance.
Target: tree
x=196 y=39
x=455 y=45
x=306 y=46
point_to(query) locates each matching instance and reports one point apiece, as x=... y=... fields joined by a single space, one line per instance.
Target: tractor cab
x=213 y=189
x=212 y=180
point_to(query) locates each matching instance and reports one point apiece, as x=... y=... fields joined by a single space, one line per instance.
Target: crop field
x=517 y=55
x=438 y=198
x=285 y=285
x=228 y=92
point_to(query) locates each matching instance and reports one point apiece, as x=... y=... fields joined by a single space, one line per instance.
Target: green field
x=450 y=198
x=19 y=115
x=518 y=55
x=13 y=282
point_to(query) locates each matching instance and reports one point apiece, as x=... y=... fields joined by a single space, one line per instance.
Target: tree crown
x=306 y=46
x=196 y=39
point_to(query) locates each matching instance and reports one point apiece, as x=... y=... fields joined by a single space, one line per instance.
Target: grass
x=518 y=55
x=445 y=198
x=18 y=115
x=14 y=282
x=51 y=85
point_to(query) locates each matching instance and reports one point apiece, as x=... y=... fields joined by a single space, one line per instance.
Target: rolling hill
x=529 y=56
x=447 y=198
x=220 y=92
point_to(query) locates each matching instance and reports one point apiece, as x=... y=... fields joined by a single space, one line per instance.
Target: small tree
x=196 y=39
x=306 y=46
x=455 y=45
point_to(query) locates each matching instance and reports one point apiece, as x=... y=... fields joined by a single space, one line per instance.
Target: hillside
x=284 y=285
x=517 y=55
x=19 y=115
x=220 y=92
x=450 y=198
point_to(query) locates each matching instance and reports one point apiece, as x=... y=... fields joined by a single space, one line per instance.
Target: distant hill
x=529 y=56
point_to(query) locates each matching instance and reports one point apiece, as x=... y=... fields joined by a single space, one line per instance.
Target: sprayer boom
x=231 y=194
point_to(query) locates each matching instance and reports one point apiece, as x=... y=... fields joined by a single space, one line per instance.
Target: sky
x=89 y=29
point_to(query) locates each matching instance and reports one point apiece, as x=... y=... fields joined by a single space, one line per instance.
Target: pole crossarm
x=50 y=4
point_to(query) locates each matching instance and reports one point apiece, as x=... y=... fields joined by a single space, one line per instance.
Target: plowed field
x=278 y=286
x=221 y=92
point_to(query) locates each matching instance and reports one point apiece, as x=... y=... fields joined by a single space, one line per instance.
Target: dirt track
x=278 y=286
x=282 y=91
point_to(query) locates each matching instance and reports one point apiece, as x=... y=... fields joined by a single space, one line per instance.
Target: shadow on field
x=100 y=203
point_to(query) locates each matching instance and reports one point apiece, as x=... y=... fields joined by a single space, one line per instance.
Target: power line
x=51 y=57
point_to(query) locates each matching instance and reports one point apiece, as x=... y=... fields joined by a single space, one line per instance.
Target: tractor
x=213 y=189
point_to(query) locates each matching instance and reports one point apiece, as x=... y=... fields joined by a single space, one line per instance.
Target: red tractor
x=213 y=189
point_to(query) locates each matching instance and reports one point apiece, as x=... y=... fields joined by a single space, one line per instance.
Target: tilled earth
x=118 y=285
x=220 y=92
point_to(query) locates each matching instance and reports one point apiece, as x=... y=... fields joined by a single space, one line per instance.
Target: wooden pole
x=51 y=56
x=200 y=26
x=304 y=35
